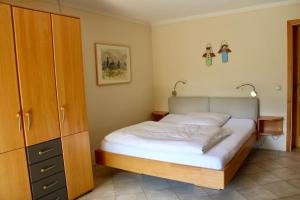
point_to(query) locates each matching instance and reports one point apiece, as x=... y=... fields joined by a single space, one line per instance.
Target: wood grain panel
x=233 y=166
x=36 y=75
x=10 y=136
x=297 y=95
x=290 y=81
x=195 y=175
x=69 y=74
x=291 y=97
x=216 y=179
x=14 y=181
x=78 y=164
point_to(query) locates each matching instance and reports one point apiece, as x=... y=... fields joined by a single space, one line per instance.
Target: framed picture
x=113 y=64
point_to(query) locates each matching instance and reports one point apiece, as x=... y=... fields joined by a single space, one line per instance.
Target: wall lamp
x=174 y=93
x=253 y=93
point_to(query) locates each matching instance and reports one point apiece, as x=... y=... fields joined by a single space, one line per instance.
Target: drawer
x=46 y=168
x=43 y=151
x=48 y=185
x=60 y=194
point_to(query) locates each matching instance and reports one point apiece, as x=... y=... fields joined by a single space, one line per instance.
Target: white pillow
x=210 y=118
x=189 y=120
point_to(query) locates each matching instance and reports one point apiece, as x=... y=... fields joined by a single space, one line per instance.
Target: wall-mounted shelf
x=270 y=125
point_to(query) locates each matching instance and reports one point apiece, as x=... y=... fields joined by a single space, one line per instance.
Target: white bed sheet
x=215 y=158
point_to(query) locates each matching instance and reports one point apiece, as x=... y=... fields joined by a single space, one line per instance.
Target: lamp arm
x=177 y=83
x=248 y=84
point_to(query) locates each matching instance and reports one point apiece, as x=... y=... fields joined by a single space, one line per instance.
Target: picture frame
x=113 y=64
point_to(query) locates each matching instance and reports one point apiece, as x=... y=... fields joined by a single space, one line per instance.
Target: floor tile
x=285 y=173
x=269 y=165
x=287 y=161
x=127 y=188
x=123 y=176
x=257 y=193
x=101 y=191
x=178 y=184
x=100 y=180
x=294 y=182
x=210 y=191
x=194 y=197
x=190 y=193
x=146 y=178
x=282 y=189
x=242 y=182
x=100 y=198
x=230 y=195
x=295 y=168
x=250 y=169
x=297 y=197
x=214 y=191
x=264 y=175
x=259 y=155
x=155 y=185
x=137 y=196
x=82 y=198
x=263 y=178
x=165 y=194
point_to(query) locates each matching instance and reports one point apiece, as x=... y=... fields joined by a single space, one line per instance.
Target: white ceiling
x=158 y=11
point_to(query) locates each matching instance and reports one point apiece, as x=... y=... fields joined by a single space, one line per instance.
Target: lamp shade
x=253 y=93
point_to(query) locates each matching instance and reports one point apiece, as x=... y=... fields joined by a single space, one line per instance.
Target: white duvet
x=165 y=136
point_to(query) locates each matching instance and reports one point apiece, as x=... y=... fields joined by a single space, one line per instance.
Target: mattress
x=215 y=158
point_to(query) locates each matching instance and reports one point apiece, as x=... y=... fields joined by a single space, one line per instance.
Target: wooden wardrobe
x=44 y=139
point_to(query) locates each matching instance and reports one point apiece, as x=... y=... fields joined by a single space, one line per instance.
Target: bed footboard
x=210 y=178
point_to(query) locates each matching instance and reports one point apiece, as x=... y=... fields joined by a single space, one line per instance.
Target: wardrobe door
x=33 y=39
x=14 y=181
x=69 y=74
x=11 y=134
x=78 y=164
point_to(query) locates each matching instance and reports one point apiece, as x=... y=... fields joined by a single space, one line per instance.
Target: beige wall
x=114 y=106
x=258 y=41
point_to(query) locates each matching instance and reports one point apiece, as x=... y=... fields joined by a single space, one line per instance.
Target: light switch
x=278 y=88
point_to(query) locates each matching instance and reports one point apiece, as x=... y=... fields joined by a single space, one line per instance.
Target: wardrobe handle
x=28 y=121
x=19 y=122
x=62 y=111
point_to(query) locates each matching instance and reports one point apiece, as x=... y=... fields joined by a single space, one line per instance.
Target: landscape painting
x=113 y=64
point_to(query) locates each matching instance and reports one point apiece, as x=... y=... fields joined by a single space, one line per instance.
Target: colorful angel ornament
x=208 y=55
x=224 y=50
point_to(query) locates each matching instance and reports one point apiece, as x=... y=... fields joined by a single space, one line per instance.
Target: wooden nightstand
x=158 y=115
x=270 y=125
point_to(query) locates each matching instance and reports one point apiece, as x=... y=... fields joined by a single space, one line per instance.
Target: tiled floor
x=264 y=175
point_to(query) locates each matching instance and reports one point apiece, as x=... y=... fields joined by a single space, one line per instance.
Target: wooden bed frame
x=215 y=179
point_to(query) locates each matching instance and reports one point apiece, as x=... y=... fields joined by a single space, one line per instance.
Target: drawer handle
x=46 y=187
x=42 y=152
x=47 y=168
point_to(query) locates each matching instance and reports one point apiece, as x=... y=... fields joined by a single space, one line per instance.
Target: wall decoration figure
x=113 y=64
x=224 y=50
x=208 y=55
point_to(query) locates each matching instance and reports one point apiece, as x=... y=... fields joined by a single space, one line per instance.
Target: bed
x=213 y=169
